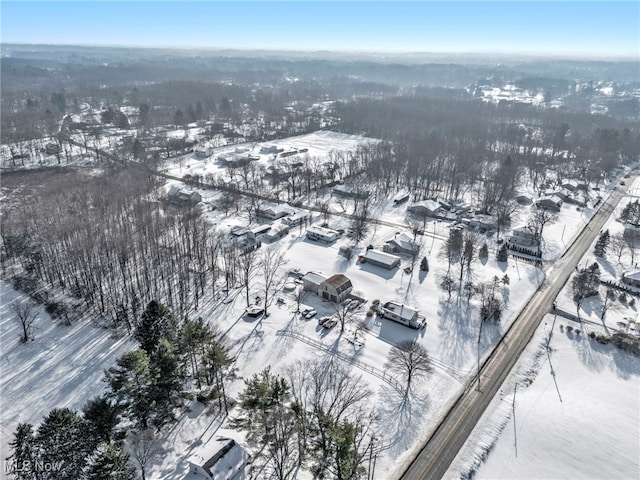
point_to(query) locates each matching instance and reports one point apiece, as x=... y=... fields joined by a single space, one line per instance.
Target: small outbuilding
x=632 y=278
x=381 y=259
x=220 y=459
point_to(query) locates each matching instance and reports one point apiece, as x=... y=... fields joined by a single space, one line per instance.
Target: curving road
x=434 y=458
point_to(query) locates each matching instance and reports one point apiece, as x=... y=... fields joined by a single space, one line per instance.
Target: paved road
x=435 y=457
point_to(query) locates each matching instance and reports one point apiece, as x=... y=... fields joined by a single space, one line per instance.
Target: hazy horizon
x=581 y=30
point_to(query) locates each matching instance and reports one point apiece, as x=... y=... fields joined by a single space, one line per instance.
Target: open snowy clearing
x=568 y=422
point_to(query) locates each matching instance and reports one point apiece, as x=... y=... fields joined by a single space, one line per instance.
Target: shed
x=381 y=259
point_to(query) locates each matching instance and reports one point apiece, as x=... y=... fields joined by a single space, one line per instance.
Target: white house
x=381 y=259
x=401 y=243
x=276 y=232
x=219 y=459
x=273 y=211
x=402 y=314
x=203 y=151
x=296 y=218
x=316 y=233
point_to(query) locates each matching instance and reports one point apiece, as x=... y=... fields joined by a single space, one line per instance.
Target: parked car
x=254 y=310
x=310 y=314
x=305 y=311
x=332 y=322
x=323 y=320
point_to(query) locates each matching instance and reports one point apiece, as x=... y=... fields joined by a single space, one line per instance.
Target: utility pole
x=478 y=348
x=513 y=407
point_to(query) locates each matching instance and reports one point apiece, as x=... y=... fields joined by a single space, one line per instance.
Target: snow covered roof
x=381 y=257
x=326 y=232
x=337 y=280
x=403 y=311
x=404 y=241
x=314 y=278
x=430 y=205
x=221 y=458
x=632 y=275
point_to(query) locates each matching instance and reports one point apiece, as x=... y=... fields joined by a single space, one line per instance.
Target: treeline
x=107 y=242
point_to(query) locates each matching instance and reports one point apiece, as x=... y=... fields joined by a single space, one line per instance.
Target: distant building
x=574 y=185
x=343 y=191
x=552 y=203
x=400 y=197
x=273 y=211
x=632 y=278
x=181 y=196
x=203 y=151
x=219 y=459
x=267 y=149
x=316 y=233
x=401 y=243
x=426 y=208
x=296 y=218
x=525 y=240
x=381 y=259
x=276 y=232
x=52 y=148
x=336 y=288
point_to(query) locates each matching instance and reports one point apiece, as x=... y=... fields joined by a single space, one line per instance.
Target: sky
x=591 y=28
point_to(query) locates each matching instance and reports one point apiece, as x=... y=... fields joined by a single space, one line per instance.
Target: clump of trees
x=585 y=283
x=316 y=415
x=600 y=248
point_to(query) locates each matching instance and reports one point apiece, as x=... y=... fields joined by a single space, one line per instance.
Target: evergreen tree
x=109 y=462
x=130 y=385
x=483 y=254
x=101 y=418
x=503 y=253
x=156 y=323
x=24 y=453
x=166 y=383
x=62 y=445
x=600 y=248
x=424 y=264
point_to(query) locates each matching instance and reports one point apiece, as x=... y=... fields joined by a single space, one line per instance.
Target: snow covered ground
x=577 y=414
x=62 y=367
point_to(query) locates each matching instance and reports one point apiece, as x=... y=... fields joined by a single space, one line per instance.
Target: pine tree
x=109 y=461
x=61 y=443
x=156 y=323
x=483 y=254
x=166 y=383
x=600 y=248
x=424 y=264
x=24 y=453
x=503 y=253
x=130 y=385
x=101 y=418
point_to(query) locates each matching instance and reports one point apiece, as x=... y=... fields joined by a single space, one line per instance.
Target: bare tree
x=248 y=264
x=26 y=313
x=342 y=313
x=609 y=298
x=270 y=268
x=409 y=359
x=540 y=218
x=144 y=446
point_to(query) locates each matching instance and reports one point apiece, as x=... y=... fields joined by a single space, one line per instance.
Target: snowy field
x=62 y=367
x=568 y=422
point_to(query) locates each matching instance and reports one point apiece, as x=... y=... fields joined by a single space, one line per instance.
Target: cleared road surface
x=435 y=457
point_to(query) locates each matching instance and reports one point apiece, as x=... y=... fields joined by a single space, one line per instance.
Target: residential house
x=296 y=218
x=181 y=196
x=316 y=233
x=574 y=185
x=632 y=278
x=219 y=459
x=426 y=208
x=273 y=211
x=276 y=232
x=525 y=240
x=203 y=151
x=336 y=288
x=552 y=203
x=380 y=259
x=402 y=314
x=401 y=243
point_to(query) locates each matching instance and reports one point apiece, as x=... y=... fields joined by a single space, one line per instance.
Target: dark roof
x=337 y=280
